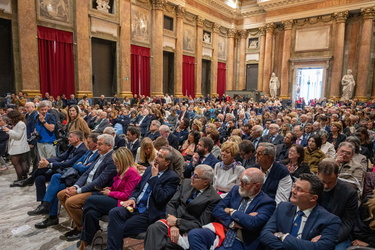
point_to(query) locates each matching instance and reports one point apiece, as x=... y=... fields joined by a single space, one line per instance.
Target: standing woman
x=76 y=122
x=17 y=145
x=100 y=203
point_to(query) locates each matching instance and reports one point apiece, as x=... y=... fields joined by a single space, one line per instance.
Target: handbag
x=70 y=176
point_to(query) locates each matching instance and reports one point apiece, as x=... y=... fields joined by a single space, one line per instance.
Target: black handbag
x=70 y=176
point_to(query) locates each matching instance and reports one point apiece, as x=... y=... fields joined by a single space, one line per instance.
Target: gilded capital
x=180 y=11
x=288 y=25
x=215 y=28
x=231 y=33
x=368 y=13
x=158 y=4
x=200 y=21
x=341 y=16
x=243 y=34
x=262 y=31
x=270 y=27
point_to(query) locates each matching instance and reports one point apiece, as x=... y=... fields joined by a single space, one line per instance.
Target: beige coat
x=17 y=143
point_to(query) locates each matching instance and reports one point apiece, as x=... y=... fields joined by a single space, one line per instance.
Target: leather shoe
x=39 y=210
x=47 y=222
x=74 y=237
x=71 y=232
x=27 y=182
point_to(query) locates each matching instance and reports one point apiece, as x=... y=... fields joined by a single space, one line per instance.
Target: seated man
x=243 y=212
x=50 y=202
x=48 y=167
x=182 y=131
x=247 y=153
x=119 y=141
x=294 y=224
x=100 y=174
x=153 y=132
x=149 y=199
x=202 y=155
x=190 y=207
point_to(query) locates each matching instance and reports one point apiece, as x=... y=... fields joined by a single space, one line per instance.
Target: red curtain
x=140 y=70
x=221 y=78
x=188 y=73
x=56 y=61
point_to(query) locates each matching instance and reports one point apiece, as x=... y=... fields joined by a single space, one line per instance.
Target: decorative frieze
x=341 y=16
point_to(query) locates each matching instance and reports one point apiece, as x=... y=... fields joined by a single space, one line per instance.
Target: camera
x=34 y=136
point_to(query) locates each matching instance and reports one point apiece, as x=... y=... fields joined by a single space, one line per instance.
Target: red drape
x=56 y=61
x=140 y=70
x=188 y=73
x=221 y=78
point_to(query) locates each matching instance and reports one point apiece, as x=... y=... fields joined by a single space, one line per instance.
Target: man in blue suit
x=149 y=199
x=166 y=133
x=295 y=224
x=244 y=211
x=143 y=122
x=202 y=156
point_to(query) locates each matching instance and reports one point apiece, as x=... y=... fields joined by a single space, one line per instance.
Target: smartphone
x=98 y=188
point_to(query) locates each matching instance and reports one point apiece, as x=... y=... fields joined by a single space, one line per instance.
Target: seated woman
x=145 y=156
x=327 y=148
x=313 y=154
x=295 y=163
x=100 y=203
x=189 y=146
x=336 y=137
x=228 y=171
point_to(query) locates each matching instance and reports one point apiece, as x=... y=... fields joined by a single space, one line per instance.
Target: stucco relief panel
x=312 y=39
x=56 y=11
x=6 y=6
x=222 y=48
x=140 y=24
x=189 y=38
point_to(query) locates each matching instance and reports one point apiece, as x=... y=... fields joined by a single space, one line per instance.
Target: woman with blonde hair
x=146 y=154
x=100 y=203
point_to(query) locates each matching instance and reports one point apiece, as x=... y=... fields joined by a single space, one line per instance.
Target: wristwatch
x=279 y=235
x=231 y=210
x=44 y=122
x=178 y=222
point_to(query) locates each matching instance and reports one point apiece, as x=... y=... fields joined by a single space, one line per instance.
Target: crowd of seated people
x=197 y=173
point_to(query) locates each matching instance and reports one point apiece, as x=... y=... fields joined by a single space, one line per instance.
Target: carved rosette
x=262 y=31
x=288 y=25
x=242 y=34
x=341 y=16
x=158 y=4
x=231 y=33
x=215 y=28
x=180 y=11
x=200 y=21
x=270 y=27
x=368 y=13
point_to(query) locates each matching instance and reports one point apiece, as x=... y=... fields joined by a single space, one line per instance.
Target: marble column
x=338 y=54
x=198 y=57
x=268 y=57
x=262 y=46
x=28 y=48
x=284 y=79
x=156 y=84
x=362 y=89
x=178 y=51
x=125 y=47
x=83 y=51
x=215 y=58
x=230 y=59
x=242 y=34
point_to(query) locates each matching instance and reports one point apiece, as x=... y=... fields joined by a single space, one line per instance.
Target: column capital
x=262 y=31
x=231 y=33
x=180 y=11
x=368 y=13
x=216 y=27
x=200 y=21
x=158 y=4
x=288 y=24
x=270 y=27
x=341 y=16
x=243 y=34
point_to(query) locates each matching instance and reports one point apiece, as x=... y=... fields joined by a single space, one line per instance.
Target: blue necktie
x=142 y=204
x=231 y=234
x=195 y=194
x=297 y=223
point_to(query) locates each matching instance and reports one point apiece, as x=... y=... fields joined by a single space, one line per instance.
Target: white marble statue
x=274 y=85
x=348 y=84
x=103 y=5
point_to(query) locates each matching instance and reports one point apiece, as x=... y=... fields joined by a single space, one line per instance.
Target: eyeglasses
x=196 y=177
x=299 y=190
x=243 y=183
x=259 y=153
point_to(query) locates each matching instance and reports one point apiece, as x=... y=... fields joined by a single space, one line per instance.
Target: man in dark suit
x=153 y=133
x=119 y=141
x=100 y=174
x=243 y=212
x=203 y=155
x=50 y=166
x=256 y=135
x=191 y=207
x=340 y=199
x=247 y=154
x=143 y=122
x=149 y=199
x=282 y=150
x=182 y=131
x=166 y=133
x=183 y=115
x=273 y=135
x=133 y=142
x=101 y=123
x=294 y=224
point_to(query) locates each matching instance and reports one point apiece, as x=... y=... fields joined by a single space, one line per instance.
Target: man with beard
x=243 y=212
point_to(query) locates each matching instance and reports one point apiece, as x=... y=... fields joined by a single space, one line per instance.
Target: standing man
x=45 y=126
x=30 y=117
x=294 y=224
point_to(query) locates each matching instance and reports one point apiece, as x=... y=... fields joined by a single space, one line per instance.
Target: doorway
x=206 y=77
x=251 y=76
x=6 y=59
x=309 y=82
x=103 y=67
x=168 y=73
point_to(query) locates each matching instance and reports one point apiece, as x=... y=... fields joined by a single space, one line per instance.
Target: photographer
x=30 y=117
x=44 y=132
